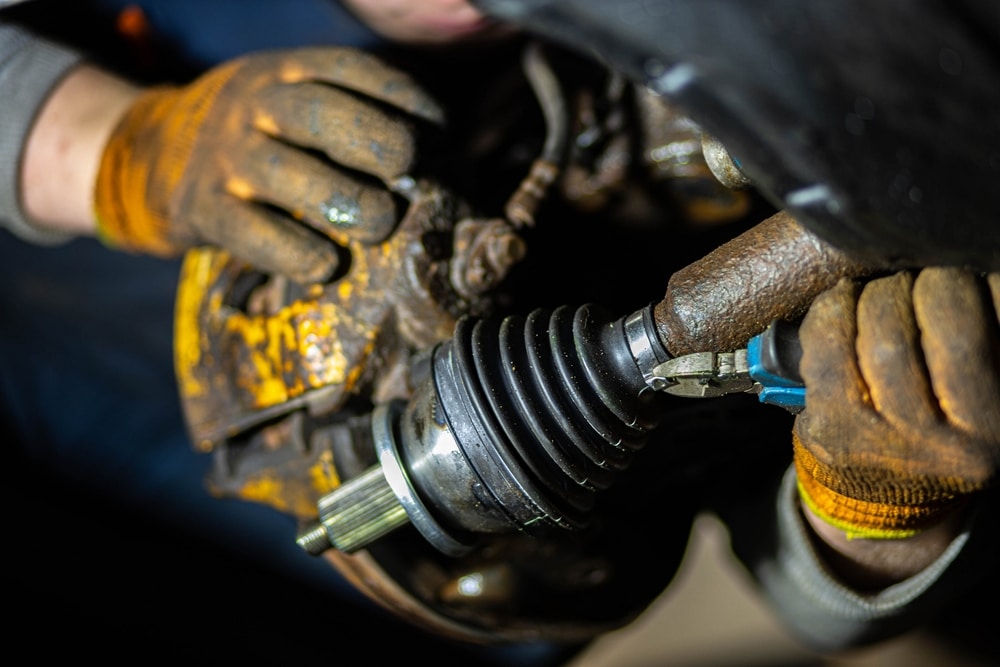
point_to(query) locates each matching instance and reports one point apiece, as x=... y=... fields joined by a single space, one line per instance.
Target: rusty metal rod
x=772 y=271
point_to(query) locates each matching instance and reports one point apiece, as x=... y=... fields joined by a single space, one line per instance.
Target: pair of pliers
x=768 y=367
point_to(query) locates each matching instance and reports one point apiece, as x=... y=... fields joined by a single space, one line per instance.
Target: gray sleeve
x=29 y=68
x=828 y=615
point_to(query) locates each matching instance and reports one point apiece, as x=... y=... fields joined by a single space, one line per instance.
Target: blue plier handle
x=773 y=364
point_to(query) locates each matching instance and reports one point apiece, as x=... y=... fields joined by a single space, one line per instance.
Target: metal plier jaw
x=705 y=374
x=768 y=367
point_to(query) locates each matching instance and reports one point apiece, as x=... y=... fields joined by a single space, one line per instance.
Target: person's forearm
x=869 y=564
x=64 y=148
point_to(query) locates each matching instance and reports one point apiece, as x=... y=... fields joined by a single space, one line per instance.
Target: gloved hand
x=902 y=418
x=256 y=152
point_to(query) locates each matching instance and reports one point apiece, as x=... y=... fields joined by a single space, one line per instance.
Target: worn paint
x=323 y=475
x=298 y=349
x=199 y=268
x=277 y=492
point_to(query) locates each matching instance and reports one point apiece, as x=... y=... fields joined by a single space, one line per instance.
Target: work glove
x=902 y=418
x=274 y=157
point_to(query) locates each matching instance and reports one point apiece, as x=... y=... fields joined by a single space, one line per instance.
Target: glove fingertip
x=828 y=334
x=831 y=312
x=319 y=268
x=365 y=73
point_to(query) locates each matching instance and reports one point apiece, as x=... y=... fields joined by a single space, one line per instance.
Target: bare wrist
x=64 y=148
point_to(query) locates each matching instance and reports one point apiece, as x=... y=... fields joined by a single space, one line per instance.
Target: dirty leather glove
x=259 y=154
x=902 y=418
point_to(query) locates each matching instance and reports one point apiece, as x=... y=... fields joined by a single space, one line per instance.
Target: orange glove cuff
x=860 y=518
x=143 y=162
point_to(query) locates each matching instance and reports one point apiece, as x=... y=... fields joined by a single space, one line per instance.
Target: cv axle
x=519 y=423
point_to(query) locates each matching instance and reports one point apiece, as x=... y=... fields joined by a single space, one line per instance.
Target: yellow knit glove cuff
x=143 y=164
x=859 y=518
